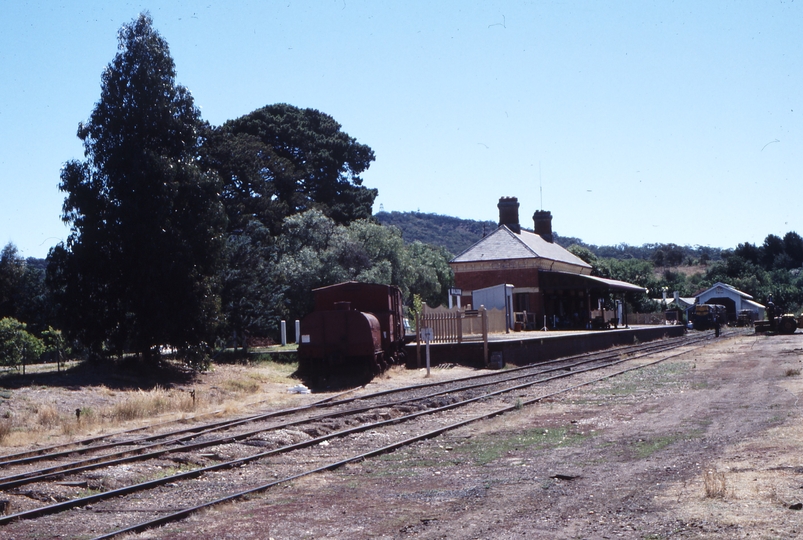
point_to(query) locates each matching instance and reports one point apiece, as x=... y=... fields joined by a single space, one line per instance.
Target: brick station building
x=549 y=282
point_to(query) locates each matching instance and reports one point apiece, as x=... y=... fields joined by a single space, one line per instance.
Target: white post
x=427 y=358
x=284 y=333
x=450 y=301
x=426 y=335
x=458 y=302
x=298 y=331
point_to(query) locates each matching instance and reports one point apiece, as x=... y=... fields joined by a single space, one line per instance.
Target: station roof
x=504 y=244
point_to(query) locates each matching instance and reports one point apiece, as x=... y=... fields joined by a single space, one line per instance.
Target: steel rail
x=176 y=516
x=141 y=453
x=65 y=505
x=67 y=449
x=74 y=447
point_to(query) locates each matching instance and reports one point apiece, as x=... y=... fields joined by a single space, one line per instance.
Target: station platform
x=529 y=347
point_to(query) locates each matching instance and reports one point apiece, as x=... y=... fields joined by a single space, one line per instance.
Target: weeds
x=48 y=416
x=792 y=372
x=646 y=448
x=5 y=428
x=245 y=385
x=152 y=403
x=715 y=484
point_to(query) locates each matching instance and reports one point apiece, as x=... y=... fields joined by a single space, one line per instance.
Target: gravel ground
x=705 y=445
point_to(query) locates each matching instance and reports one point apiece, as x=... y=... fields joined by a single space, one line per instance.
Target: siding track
x=163 y=477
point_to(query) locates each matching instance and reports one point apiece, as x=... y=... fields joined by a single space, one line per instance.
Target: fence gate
x=453 y=326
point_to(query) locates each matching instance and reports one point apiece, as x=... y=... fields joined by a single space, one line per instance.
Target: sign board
x=427 y=335
x=455 y=292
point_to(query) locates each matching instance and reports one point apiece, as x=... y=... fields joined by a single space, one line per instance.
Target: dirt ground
x=705 y=445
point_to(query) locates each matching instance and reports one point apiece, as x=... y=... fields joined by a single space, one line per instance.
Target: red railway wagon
x=355 y=329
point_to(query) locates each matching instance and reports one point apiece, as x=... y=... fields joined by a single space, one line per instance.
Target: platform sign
x=455 y=291
x=427 y=335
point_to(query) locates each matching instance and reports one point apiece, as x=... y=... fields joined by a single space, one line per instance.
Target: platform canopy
x=614 y=284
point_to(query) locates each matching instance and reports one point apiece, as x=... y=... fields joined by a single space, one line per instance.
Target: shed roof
x=727 y=288
x=504 y=244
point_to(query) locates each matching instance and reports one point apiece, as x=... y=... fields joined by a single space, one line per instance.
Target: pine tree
x=139 y=267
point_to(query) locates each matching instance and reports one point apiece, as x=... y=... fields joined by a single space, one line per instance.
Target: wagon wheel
x=787 y=326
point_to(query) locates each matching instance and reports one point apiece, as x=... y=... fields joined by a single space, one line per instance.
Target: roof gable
x=504 y=244
x=720 y=288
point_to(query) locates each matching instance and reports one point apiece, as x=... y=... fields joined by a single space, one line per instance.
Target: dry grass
x=5 y=428
x=152 y=403
x=715 y=484
x=48 y=416
x=243 y=385
x=41 y=415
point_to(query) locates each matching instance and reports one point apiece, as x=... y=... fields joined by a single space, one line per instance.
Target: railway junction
x=681 y=437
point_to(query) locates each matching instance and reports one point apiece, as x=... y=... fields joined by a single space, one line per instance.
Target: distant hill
x=453 y=233
x=457 y=235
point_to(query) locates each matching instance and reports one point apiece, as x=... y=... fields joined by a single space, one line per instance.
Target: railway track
x=161 y=477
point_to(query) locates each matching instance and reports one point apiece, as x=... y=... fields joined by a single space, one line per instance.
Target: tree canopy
x=281 y=160
x=139 y=268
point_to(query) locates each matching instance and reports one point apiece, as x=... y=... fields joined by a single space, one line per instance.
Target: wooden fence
x=458 y=325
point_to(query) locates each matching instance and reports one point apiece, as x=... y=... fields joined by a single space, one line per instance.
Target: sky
x=632 y=122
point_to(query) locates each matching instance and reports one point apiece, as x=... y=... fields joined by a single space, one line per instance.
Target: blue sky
x=642 y=121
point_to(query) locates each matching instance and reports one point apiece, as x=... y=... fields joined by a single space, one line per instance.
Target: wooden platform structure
x=521 y=348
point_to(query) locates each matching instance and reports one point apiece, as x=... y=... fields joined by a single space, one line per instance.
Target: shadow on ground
x=126 y=374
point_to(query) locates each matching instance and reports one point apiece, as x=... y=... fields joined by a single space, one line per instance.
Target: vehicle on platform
x=708 y=316
x=356 y=330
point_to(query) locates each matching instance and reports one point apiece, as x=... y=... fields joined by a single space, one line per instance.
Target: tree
x=139 y=268
x=583 y=253
x=281 y=160
x=793 y=245
x=12 y=274
x=23 y=294
x=16 y=344
x=432 y=275
x=251 y=294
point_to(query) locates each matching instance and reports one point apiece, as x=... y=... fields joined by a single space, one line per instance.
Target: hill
x=452 y=233
x=456 y=235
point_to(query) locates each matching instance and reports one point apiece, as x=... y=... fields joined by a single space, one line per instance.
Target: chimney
x=543 y=224
x=509 y=213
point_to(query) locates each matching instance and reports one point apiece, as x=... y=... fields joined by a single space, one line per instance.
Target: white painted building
x=733 y=299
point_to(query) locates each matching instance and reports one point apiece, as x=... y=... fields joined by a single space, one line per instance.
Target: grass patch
x=487 y=450
x=167 y=472
x=88 y=492
x=396 y=464
x=792 y=372
x=242 y=385
x=644 y=380
x=647 y=447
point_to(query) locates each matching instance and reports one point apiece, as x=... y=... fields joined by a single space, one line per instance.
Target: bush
x=17 y=345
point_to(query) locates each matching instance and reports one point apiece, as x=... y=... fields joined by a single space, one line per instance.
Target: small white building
x=733 y=299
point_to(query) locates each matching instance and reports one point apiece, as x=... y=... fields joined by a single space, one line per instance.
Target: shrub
x=17 y=345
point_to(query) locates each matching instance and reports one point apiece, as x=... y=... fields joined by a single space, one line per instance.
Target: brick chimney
x=542 y=220
x=509 y=213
